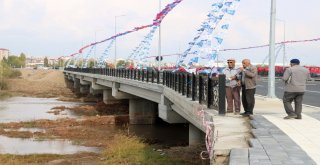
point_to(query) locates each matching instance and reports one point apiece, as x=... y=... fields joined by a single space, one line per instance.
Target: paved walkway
x=279 y=141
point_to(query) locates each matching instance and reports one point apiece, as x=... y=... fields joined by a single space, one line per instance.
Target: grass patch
x=131 y=150
x=28 y=159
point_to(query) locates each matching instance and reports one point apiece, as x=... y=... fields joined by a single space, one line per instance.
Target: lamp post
x=159 y=46
x=271 y=75
x=115 y=39
x=284 y=39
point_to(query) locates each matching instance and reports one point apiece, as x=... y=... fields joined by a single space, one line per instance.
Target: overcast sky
x=60 y=27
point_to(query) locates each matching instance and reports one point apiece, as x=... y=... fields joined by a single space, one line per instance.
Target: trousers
x=248 y=99
x=233 y=99
x=297 y=97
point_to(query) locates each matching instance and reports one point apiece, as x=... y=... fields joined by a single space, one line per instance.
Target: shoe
x=244 y=113
x=298 y=117
x=290 y=117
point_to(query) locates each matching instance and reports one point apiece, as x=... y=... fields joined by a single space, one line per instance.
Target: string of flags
x=209 y=38
x=156 y=22
x=102 y=59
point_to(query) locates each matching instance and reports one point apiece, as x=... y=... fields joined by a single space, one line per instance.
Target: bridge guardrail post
x=142 y=75
x=194 y=86
x=128 y=74
x=152 y=75
x=209 y=92
x=170 y=80
x=164 y=78
x=134 y=74
x=179 y=82
x=122 y=73
x=158 y=77
x=188 y=85
x=183 y=84
x=222 y=94
x=201 y=89
x=147 y=77
x=175 y=81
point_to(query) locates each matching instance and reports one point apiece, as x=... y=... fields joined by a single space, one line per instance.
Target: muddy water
x=18 y=109
x=32 y=146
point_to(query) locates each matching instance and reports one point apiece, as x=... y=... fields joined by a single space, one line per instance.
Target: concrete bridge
x=172 y=96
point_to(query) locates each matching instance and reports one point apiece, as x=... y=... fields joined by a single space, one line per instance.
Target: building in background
x=35 y=62
x=4 y=53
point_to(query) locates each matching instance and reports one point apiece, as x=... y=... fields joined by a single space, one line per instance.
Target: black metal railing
x=206 y=90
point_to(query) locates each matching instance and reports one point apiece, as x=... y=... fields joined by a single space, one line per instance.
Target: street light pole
x=159 y=46
x=284 y=40
x=271 y=75
x=115 y=39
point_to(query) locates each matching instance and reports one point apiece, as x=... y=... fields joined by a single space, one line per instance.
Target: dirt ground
x=102 y=126
x=40 y=83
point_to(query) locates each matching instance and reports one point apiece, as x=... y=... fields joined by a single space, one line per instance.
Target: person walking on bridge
x=248 y=80
x=232 y=87
x=295 y=79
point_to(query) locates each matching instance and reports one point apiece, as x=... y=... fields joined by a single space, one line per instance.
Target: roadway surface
x=311 y=97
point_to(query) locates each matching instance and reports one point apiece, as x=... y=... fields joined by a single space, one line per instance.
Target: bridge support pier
x=95 y=92
x=84 y=89
x=107 y=96
x=196 y=136
x=167 y=114
x=76 y=85
x=142 y=111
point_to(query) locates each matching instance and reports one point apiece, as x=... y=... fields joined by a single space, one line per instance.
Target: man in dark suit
x=248 y=80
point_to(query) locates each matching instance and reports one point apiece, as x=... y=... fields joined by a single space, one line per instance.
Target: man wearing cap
x=295 y=79
x=232 y=87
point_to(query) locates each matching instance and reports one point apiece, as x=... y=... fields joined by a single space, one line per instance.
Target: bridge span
x=172 y=96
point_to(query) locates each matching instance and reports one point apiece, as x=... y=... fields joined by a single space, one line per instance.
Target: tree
x=46 y=62
x=121 y=64
x=22 y=60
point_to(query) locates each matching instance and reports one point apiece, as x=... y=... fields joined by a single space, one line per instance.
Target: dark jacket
x=250 y=77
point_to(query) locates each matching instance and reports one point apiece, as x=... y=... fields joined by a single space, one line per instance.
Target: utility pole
x=115 y=39
x=271 y=75
x=159 y=46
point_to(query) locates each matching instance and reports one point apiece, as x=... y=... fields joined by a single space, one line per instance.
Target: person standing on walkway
x=232 y=87
x=295 y=79
x=248 y=80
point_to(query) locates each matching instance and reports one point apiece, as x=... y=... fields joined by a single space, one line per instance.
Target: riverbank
x=98 y=126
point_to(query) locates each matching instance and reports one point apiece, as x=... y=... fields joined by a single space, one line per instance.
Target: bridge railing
x=209 y=91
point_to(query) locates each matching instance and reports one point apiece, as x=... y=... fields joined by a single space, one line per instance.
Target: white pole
x=115 y=42
x=159 y=46
x=271 y=75
x=284 y=45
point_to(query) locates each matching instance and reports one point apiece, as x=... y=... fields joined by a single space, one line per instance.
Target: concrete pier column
x=95 y=92
x=142 y=111
x=196 y=136
x=76 y=85
x=84 y=89
x=107 y=96
x=167 y=114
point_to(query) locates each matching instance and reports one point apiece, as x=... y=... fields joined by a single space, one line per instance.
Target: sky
x=57 y=28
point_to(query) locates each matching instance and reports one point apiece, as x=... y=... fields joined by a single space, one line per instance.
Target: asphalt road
x=311 y=96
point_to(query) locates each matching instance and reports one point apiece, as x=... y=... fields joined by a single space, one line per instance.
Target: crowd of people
x=244 y=79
